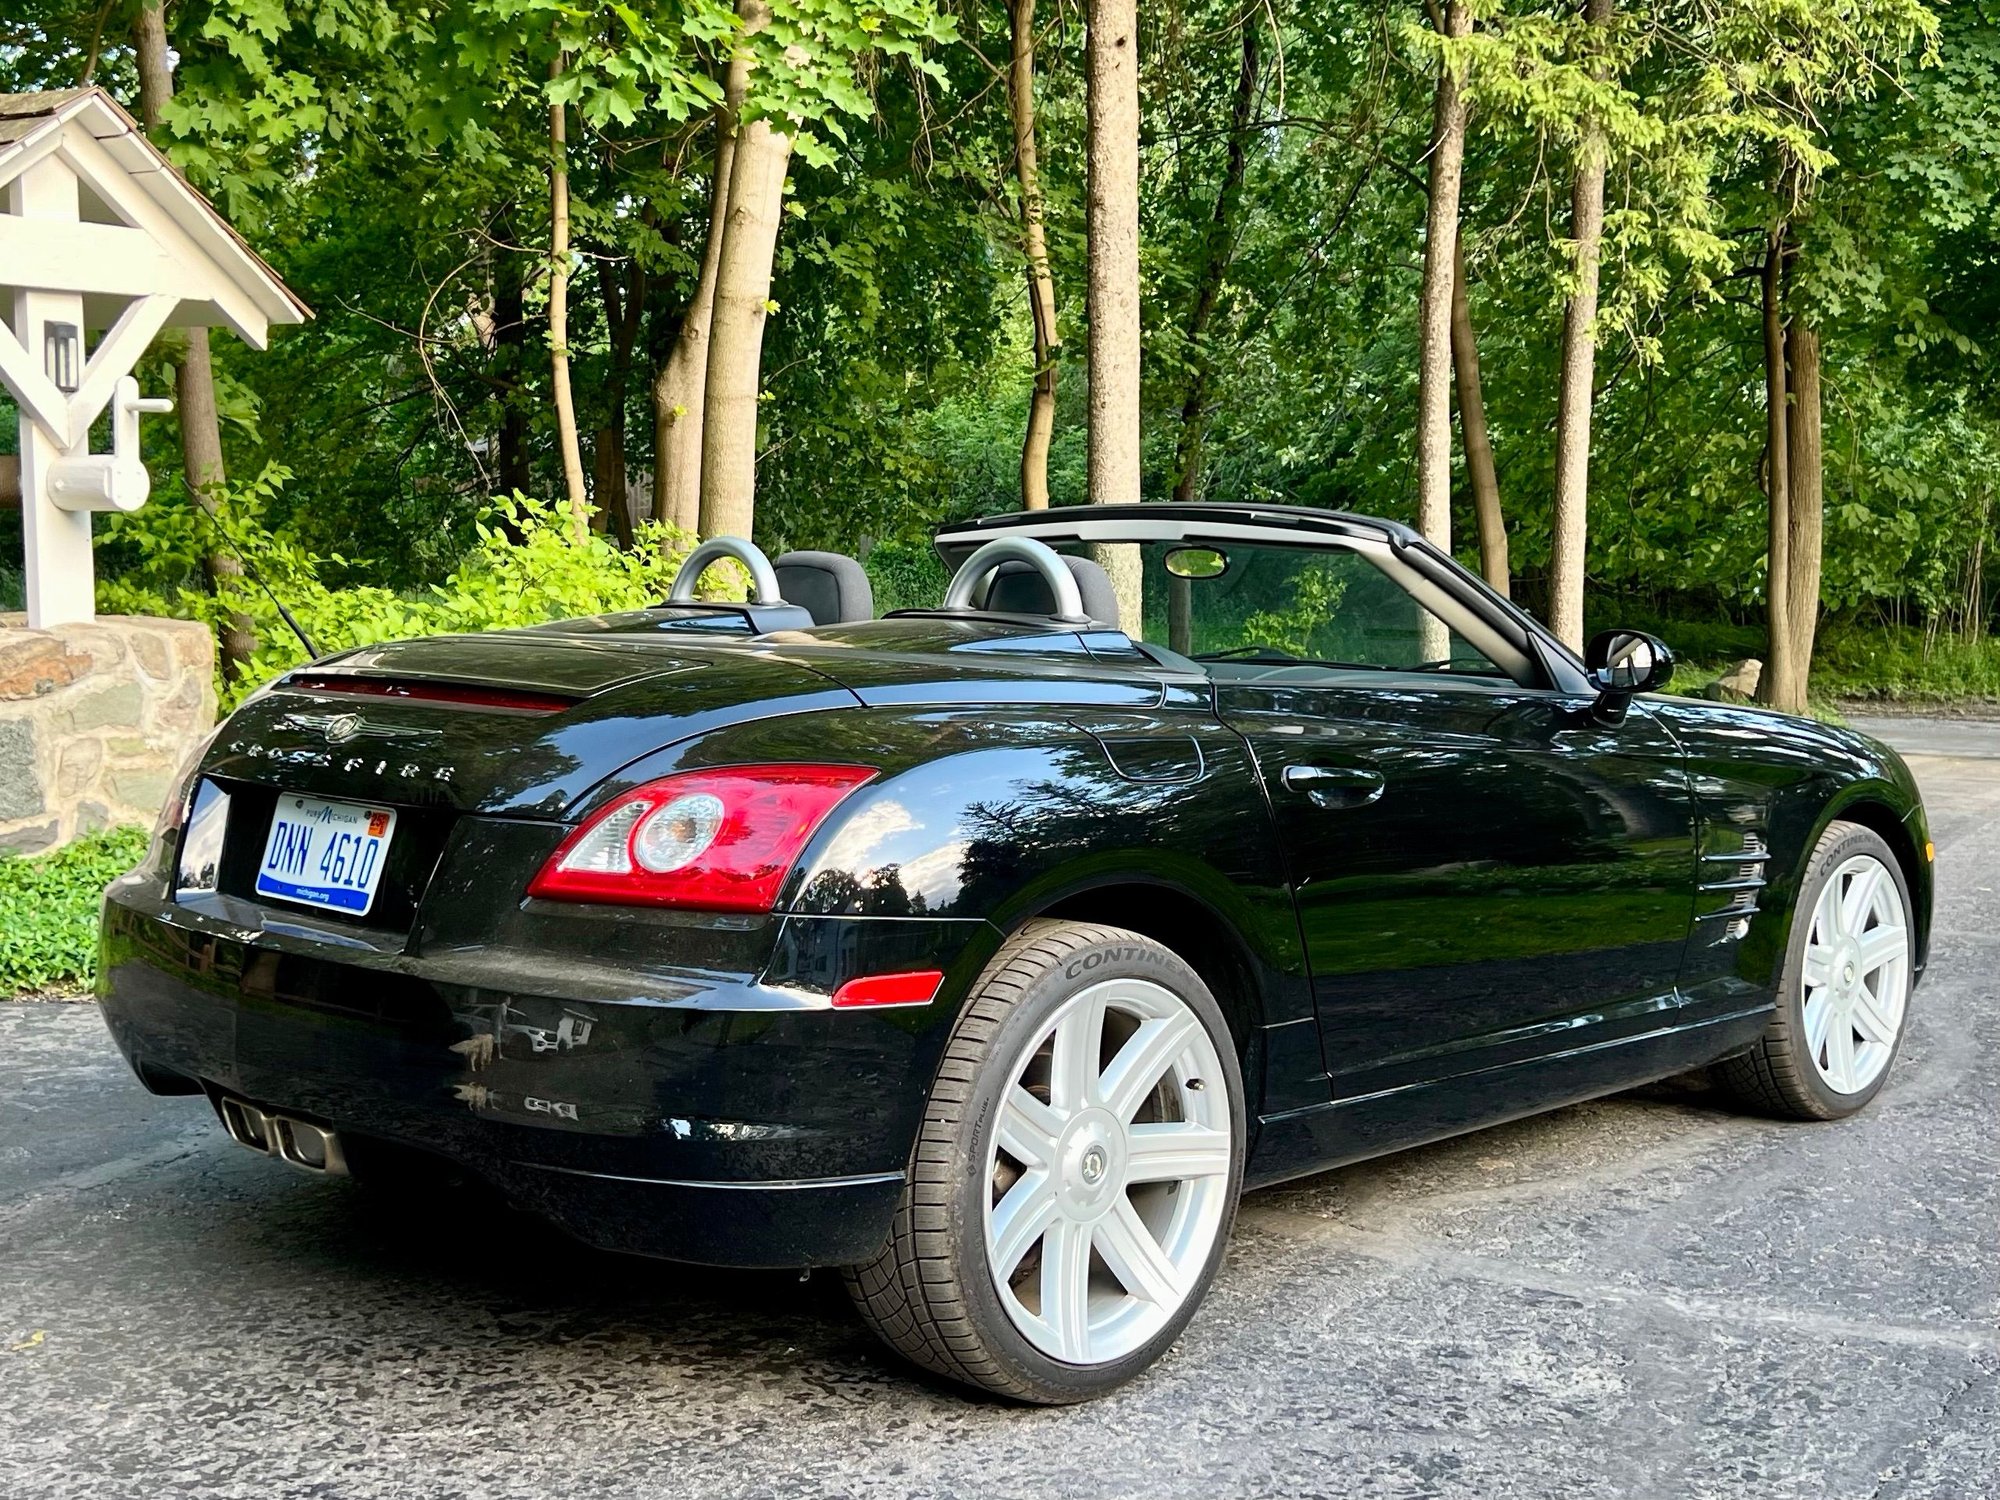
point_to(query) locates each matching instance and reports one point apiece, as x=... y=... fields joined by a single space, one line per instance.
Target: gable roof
x=110 y=152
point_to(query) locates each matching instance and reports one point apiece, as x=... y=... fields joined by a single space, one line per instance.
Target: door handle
x=1334 y=786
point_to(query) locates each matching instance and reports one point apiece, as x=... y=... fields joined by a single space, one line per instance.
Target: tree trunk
x=1472 y=433
x=156 y=71
x=1804 y=514
x=1112 y=225
x=623 y=309
x=201 y=456
x=607 y=479
x=1218 y=249
x=1447 y=169
x=1035 y=251
x=1111 y=66
x=510 y=363
x=1974 y=617
x=1774 y=686
x=194 y=377
x=736 y=333
x=1570 y=523
x=566 y=435
x=680 y=388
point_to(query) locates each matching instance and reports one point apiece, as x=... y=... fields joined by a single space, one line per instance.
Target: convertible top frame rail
x=1434 y=578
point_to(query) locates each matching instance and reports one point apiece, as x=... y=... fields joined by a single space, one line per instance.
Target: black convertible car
x=987 y=952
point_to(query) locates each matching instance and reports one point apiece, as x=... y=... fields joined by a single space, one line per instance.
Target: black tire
x=1777 y=1076
x=929 y=1294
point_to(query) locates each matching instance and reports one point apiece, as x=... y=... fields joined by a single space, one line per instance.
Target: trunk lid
x=515 y=724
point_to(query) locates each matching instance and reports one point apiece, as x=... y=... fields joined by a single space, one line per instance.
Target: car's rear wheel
x=1845 y=990
x=1076 y=1174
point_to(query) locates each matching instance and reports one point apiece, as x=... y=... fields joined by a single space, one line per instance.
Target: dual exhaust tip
x=309 y=1147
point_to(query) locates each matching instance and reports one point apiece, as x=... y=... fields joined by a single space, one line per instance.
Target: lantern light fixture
x=62 y=356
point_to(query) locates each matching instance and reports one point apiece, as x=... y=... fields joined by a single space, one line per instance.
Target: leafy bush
x=905 y=575
x=48 y=909
x=1317 y=592
x=1906 y=665
x=1851 y=660
x=524 y=569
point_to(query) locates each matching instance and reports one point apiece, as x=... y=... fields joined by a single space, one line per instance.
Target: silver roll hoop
x=763 y=577
x=1040 y=556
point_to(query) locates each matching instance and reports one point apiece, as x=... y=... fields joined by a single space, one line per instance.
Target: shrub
x=48 y=910
x=524 y=569
x=905 y=575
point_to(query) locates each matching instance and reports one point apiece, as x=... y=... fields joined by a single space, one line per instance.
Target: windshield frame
x=1524 y=647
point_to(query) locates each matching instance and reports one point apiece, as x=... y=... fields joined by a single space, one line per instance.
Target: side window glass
x=1274 y=606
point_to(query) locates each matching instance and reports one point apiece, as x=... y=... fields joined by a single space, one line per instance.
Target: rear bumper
x=772 y=1132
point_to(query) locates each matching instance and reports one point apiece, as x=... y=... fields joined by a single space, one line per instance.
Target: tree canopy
x=391 y=158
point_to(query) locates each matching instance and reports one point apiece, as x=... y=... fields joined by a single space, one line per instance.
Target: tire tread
x=1770 y=1078
x=909 y=1293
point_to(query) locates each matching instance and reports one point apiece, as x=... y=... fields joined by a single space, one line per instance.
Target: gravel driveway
x=1645 y=1296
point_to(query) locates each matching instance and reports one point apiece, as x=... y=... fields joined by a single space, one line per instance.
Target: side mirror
x=1624 y=662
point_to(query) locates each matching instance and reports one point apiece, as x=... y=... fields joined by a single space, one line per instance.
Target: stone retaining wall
x=94 y=721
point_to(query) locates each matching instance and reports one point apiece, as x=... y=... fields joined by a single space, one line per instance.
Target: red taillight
x=918 y=987
x=720 y=840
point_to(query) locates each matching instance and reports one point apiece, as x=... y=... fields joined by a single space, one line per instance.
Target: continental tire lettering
x=1131 y=954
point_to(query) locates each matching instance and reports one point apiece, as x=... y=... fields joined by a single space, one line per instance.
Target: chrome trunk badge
x=339 y=729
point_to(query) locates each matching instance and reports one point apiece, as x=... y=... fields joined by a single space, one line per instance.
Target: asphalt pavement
x=1645 y=1296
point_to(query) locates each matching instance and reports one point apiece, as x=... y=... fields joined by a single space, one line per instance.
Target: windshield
x=1244 y=608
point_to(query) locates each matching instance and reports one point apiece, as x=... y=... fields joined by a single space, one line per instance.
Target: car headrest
x=831 y=588
x=1017 y=589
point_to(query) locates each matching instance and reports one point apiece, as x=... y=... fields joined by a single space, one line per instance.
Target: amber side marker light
x=917 y=988
x=1930 y=852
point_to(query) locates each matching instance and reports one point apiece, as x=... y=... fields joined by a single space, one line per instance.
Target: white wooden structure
x=102 y=244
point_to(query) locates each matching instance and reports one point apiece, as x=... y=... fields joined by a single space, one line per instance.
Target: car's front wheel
x=1076 y=1174
x=1845 y=989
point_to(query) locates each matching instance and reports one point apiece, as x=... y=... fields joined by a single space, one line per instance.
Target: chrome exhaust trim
x=299 y=1143
x=246 y=1123
x=311 y=1147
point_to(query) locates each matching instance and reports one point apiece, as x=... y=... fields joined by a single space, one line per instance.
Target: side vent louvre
x=1730 y=881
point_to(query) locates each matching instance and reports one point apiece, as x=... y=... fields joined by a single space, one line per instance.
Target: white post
x=61 y=579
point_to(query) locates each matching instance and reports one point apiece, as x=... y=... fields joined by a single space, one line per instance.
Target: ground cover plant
x=48 y=910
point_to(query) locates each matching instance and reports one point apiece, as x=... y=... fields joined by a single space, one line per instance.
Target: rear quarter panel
x=983 y=817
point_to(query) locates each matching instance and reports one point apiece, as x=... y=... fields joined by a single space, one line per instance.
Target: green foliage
x=1292 y=626
x=1909 y=666
x=905 y=575
x=48 y=910
x=270 y=78
x=391 y=160
x=523 y=570
x=1890 y=664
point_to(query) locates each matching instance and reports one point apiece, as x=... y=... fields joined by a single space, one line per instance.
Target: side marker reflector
x=918 y=988
x=1930 y=852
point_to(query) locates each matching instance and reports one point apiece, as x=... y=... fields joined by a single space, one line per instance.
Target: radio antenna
x=257 y=578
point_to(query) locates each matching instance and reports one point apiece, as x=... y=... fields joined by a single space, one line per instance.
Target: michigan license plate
x=325 y=854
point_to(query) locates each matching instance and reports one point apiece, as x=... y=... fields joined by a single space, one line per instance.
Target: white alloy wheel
x=1075 y=1173
x=1108 y=1179
x=1856 y=975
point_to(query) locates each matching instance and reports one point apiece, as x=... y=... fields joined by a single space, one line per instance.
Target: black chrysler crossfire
x=989 y=952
